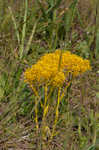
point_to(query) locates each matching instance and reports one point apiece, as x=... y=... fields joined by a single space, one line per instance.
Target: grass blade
x=54 y=6
x=92 y=147
x=24 y=30
x=31 y=37
x=69 y=16
x=15 y=25
x=42 y=9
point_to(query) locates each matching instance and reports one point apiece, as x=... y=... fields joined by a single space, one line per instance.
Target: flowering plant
x=53 y=70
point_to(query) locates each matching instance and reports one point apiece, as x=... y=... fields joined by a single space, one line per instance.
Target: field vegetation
x=44 y=108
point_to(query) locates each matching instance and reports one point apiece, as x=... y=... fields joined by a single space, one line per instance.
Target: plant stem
x=36 y=109
x=57 y=113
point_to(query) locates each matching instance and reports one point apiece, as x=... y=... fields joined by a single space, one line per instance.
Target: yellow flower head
x=47 y=70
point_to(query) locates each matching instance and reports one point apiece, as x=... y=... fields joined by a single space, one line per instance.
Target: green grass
x=28 y=29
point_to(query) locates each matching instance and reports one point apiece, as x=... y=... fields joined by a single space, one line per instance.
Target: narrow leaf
x=24 y=30
x=15 y=25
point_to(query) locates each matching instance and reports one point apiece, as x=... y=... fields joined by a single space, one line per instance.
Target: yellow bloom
x=46 y=70
x=59 y=79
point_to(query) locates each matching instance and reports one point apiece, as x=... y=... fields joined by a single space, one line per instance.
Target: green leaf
x=92 y=147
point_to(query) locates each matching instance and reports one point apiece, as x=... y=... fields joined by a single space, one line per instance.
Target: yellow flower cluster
x=47 y=69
